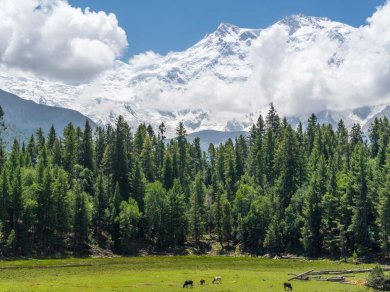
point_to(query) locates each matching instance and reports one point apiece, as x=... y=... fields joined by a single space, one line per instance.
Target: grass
x=165 y=274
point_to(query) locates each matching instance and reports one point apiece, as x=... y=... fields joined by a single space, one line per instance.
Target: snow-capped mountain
x=152 y=88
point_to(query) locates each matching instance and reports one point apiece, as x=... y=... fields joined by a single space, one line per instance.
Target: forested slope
x=317 y=192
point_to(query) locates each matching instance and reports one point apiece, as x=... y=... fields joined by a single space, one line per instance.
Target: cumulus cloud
x=141 y=61
x=51 y=38
x=305 y=81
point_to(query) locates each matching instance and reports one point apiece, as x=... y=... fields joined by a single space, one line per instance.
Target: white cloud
x=300 y=80
x=141 y=61
x=303 y=81
x=50 y=38
x=69 y=43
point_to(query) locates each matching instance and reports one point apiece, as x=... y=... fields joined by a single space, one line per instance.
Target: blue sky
x=172 y=25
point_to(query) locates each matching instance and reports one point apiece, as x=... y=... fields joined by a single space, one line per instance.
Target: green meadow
x=167 y=273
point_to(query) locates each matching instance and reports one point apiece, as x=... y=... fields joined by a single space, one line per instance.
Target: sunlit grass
x=165 y=274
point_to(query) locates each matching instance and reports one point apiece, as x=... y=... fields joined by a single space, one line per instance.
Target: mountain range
x=152 y=88
x=23 y=117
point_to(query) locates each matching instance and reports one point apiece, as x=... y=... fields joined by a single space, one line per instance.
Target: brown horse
x=202 y=282
x=287 y=286
x=188 y=283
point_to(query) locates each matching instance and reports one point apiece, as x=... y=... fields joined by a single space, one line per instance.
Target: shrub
x=378 y=280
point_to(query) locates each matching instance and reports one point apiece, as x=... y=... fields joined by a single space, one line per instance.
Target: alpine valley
x=137 y=90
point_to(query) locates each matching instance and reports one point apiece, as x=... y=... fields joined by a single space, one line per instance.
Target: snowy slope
x=142 y=91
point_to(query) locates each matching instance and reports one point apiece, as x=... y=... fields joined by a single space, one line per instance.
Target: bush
x=378 y=280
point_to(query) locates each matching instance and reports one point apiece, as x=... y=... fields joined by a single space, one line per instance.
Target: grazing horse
x=287 y=286
x=217 y=280
x=188 y=283
x=202 y=282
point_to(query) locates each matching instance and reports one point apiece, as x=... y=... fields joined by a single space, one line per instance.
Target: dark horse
x=202 y=282
x=188 y=283
x=287 y=286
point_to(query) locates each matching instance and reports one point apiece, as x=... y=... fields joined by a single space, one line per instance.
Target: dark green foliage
x=312 y=191
x=128 y=221
x=177 y=215
x=82 y=219
x=197 y=212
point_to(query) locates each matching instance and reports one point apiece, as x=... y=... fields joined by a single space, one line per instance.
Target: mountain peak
x=226 y=28
x=296 y=21
x=225 y=25
x=304 y=19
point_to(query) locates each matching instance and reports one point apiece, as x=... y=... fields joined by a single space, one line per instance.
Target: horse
x=217 y=280
x=202 y=282
x=287 y=286
x=188 y=283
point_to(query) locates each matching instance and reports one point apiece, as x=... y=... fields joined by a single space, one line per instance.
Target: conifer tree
x=156 y=208
x=128 y=218
x=82 y=219
x=312 y=213
x=70 y=151
x=384 y=208
x=120 y=158
x=147 y=160
x=358 y=188
x=86 y=155
x=178 y=221
x=181 y=134
x=197 y=213
x=101 y=215
x=168 y=175
x=137 y=183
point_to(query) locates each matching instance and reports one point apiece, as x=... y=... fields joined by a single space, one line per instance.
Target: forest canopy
x=314 y=191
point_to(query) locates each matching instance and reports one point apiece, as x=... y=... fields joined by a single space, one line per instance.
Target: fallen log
x=336 y=279
x=332 y=279
x=300 y=275
x=297 y=258
x=340 y=272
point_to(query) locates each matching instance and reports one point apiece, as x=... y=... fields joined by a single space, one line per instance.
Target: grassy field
x=165 y=274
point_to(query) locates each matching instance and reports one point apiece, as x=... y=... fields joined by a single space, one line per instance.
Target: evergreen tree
x=358 y=188
x=120 y=158
x=63 y=210
x=178 y=221
x=156 y=208
x=197 y=213
x=168 y=173
x=287 y=158
x=384 y=208
x=137 y=183
x=70 y=154
x=87 y=159
x=46 y=213
x=147 y=160
x=181 y=134
x=101 y=214
x=51 y=139
x=312 y=213
x=82 y=219
x=128 y=218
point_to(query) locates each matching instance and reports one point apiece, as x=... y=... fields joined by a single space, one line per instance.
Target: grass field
x=165 y=274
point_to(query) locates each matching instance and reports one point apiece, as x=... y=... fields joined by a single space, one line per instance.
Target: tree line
x=316 y=191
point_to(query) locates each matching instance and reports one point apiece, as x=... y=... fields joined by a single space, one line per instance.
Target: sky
x=174 y=25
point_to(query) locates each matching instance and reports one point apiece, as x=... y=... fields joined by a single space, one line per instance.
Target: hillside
x=24 y=117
